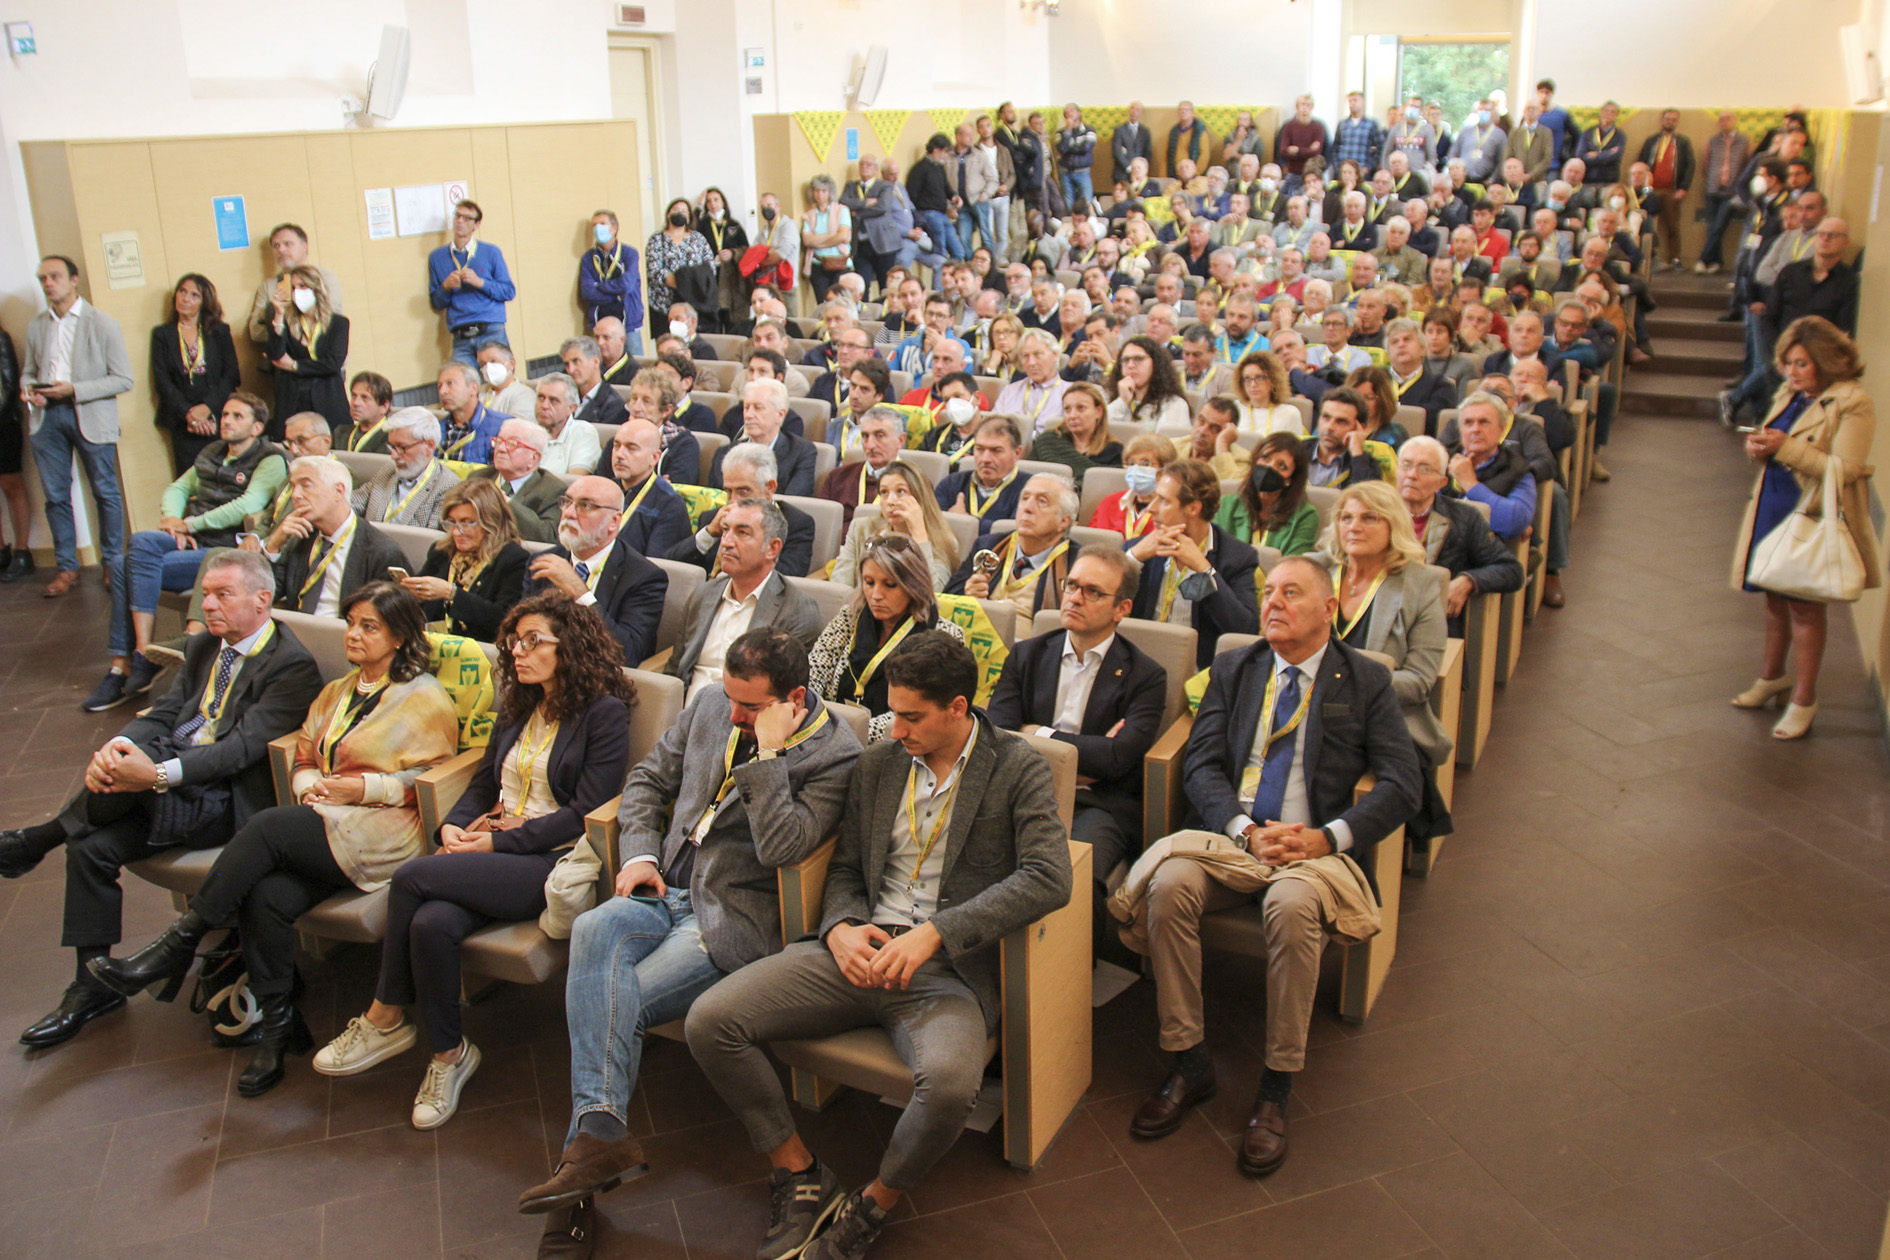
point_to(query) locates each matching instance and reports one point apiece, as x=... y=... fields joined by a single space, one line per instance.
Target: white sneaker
x=438 y=1098
x=361 y=1045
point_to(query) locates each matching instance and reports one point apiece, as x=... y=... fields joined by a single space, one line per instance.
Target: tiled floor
x=1642 y=1009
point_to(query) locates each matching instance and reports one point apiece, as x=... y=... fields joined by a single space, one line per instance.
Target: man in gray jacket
x=75 y=369
x=757 y=773
x=952 y=841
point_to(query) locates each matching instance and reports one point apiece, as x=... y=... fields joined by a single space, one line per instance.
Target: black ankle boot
x=283 y=1034
x=164 y=961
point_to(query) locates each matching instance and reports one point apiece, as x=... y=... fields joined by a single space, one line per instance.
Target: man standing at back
x=467 y=279
x=289 y=244
x=610 y=284
x=75 y=369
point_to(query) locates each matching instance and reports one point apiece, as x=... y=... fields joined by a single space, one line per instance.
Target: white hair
x=529 y=432
x=417 y=421
x=325 y=470
x=1424 y=444
x=775 y=390
x=1069 y=503
x=755 y=457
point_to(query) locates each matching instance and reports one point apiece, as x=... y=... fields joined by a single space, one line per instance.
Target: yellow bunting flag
x=1586 y=116
x=886 y=125
x=1220 y=120
x=947 y=120
x=1103 y=118
x=820 y=126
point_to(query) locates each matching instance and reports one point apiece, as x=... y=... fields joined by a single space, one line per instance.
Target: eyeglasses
x=582 y=506
x=460 y=527
x=1089 y=594
x=1411 y=466
x=401 y=448
x=526 y=644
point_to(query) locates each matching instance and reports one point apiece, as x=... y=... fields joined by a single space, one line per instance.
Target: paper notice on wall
x=124 y=260
x=455 y=191
x=380 y=213
x=419 y=209
x=232 y=222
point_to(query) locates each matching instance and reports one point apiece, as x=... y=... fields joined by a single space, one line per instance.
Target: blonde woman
x=1081 y=438
x=308 y=348
x=1389 y=601
x=908 y=507
x=1264 y=397
x=1132 y=513
x=475 y=574
x=894 y=599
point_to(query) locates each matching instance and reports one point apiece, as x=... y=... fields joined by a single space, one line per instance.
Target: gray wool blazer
x=100 y=370
x=1407 y=624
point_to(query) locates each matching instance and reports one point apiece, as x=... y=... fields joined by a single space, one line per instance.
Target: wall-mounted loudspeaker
x=387 y=78
x=871 y=76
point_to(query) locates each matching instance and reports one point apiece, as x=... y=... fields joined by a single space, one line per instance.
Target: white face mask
x=495 y=373
x=1758 y=185
x=1268 y=183
x=1617 y=203
x=679 y=329
x=304 y=300
x=960 y=411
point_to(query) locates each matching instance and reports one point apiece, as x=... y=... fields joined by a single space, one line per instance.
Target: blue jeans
x=633 y=341
x=967 y=223
x=1756 y=389
x=153 y=563
x=1723 y=208
x=944 y=238
x=58 y=437
x=994 y=225
x=1078 y=191
x=634 y=965
x=466 y=349
x=1555 y=550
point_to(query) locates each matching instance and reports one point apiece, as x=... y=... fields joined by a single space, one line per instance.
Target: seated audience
x=851 y=347
x=1336 y=357
x=343 y=552
x=1272 y=509
x=705 y=823
x=531 y=493
x=746 y=590
x=654 y=395
x=370 y=400
x=1132 y=512
x=1261 y=392
x=1338 y=452
x=1454 y=534
x=655 y=518
x=1081 y=441
x=882 y=435
x=1143 y=386
x=1031 y=563
x=409 y=493
x=500 y=391
x=188 y=772
x=1036 y=396
x=894 y=598
x=307 y=347
x=764 y=407
x=620 y=367
x=595 y=566
x=907 y=508
x=1373 y=384
x=367 y=737
x=573 y=448
x=1491 y=471
x=917 y=954
x=749 y=472
x=1193 y=572
x=869 y=385
x=1214 y=438
x=474 y=575
x=1250 y=774
x=559 y=750
x=958 y=427
x=466 y=427
x=597 y=402
x=1413 y=382
x=989 y=489
x=1443 y=359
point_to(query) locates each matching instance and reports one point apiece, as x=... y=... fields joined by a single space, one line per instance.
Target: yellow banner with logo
x=887 y=124
x=465 y=671
x=819 y=126
x=980 y=636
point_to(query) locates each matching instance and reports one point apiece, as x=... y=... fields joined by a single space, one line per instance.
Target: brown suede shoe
x=570 y=1233
x=64 y=581
x=588 y=1166
x=1263 y=1147
x=1162 y=1114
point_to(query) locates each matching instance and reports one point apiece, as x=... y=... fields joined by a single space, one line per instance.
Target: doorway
x=636 y=95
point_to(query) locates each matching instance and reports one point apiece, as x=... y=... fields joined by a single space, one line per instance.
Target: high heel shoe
x=1796 y=723
x=1755 y=696
x=164 y=961
x=283 y=1033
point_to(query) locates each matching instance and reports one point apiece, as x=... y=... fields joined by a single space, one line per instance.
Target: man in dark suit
x=595 y=565
x=584 y=364
x=654 y=396
x=1129 y=141
x=655 y=518
x=1416 y=385
x=850 y=347
x=747 y=591
x=189 y=772
x=988 y=489
x=324 y=550
x=764 y=410
x=951 y=841
x=1089 y=686
x=1455 y=535
x=1194 y=572
x=748 y=473
x=1280 y=785
x=532 y=493
x=1525 y=342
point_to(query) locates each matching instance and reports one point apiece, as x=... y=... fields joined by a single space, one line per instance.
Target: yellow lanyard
x=849 y=438
x=899 y=635
x=978 y=505
x=193 y=356
x=1250 y=777
x=1800 y=246
x=1171 y=587
x=1352 y=230
x=308 y=335
x=213 y=703
x=1365 y=607
x=418 y=486
x=616 y=263
x=1400 y=386
x=1010 y=586
x=728 y=762
x=472 y=431
x=472 y=247
x=347 y=715
x=529 y=755
x=938 y=824
x=359 y=436
x=864 y=469
x=282 y=497
x=1043 y=400
x=718 y=231
x=321 y=566
x=1134 y=523
x=637 y=502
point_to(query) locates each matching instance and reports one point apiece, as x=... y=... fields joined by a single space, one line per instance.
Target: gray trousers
x=935 y=1025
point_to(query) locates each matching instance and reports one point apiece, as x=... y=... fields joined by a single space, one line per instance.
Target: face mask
x=716 y=215
x=959 y=411
x=678 y=329
x=602 y=232
x=1140 y=478
x=495 y=373
x=1758 y=185
x=1267 y=479
x=1268 y=183
x=1554 y=204
x=1617 y=203
x=1483 y=117
x=767 y=214
x=1410 y=113
x=304 y=300
x=678 y=219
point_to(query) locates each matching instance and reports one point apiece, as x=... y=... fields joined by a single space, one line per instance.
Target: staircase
x=1695 y=354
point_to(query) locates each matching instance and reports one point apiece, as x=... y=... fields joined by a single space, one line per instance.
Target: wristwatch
x=163 y=783
x=767 y=754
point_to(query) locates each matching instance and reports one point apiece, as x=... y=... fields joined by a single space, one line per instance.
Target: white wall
x=1214 y=52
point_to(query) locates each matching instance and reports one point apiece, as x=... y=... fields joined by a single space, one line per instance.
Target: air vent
x=631 y=15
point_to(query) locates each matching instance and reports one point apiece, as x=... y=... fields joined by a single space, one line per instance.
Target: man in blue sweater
x=467 y=279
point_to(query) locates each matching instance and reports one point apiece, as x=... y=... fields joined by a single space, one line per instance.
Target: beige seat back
x=828 y=516
x=659 y=704
x=1100 y=484
x=414 y=543
x=1324 y=499
x=684 y=579
x=1171 y=647
x=830 y=597
x=322 y=636
x=364 y=466
x=708 y=444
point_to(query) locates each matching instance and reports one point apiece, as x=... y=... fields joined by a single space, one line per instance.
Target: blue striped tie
x=226 y=666
x=1270 y=799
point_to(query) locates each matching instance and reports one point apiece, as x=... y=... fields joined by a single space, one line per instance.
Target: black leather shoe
x=164 y=961
x=1163 y=1113
x=82 y=1004
x=570 y=1233
x=283 y=1034
x=19 y=853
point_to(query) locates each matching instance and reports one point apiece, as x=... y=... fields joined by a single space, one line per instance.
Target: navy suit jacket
x=1231 y=608
x=794 y=463
x=630 y=599
x=661 y=520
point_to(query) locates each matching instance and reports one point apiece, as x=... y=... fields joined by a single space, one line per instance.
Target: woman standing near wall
x=193 y=369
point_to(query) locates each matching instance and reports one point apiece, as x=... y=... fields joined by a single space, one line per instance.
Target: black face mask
x=767 y=213
x=1267 y=479
x=678 y=219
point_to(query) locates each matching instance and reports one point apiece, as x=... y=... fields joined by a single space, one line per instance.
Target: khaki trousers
x=1181 y=892
x=1668 y=246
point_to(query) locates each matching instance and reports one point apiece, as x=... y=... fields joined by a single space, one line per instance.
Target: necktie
x=1270 y=799
x=583 y=571
x=226 y=666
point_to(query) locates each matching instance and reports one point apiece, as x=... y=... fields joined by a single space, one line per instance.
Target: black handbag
x=222 y=994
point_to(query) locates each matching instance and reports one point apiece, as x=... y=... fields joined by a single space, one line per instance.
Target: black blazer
x=1471 y=549
x=682 y=460
x=273 y=693
x=661 y=521
x=1354 y=725
x=318 y=383
x=369 y=558
x=797 y=553
x=1130 y=688
x=1433 y=393
x=630 y=599
x=603 y=408
x=794 y=465
x=1231 y=608
x=477 y=610
x=177 y=390
x=589 y=758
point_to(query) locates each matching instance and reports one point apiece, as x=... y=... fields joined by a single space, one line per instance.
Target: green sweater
x=269 y=476
x=1295 y=539
x=1054 y=448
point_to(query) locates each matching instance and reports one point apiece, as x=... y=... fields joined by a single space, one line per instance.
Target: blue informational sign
x=853 y=144
x=232 y=222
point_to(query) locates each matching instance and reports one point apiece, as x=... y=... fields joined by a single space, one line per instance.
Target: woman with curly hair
x=894 y=600
x=366 y=739
x=1143 y=385
x=561 y=749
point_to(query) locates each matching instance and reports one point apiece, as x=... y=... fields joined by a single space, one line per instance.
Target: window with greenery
x=1457 y=74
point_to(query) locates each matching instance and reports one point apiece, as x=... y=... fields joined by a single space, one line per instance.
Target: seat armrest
x=1161 y=781
x=655 y=664
x=803 y=890
x=440 y=788
x=601 y=829
x=282 y=765
x=1047 y=1020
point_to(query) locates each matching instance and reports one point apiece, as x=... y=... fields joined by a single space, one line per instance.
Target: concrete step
x=1690 y=357
x=1691 y=293
x=1690 y=324
x=1671 y=394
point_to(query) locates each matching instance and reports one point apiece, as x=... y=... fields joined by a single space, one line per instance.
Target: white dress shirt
x=1297 y=807
x=732 y=619
x=908 y=891
x=1076 y=678
x=207 y=733
x=328 y=599
x=594 y=566
x=59 y=349
x=576 y=446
